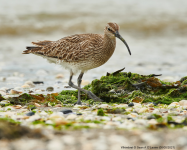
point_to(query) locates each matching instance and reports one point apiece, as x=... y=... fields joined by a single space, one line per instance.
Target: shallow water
x=154 y=30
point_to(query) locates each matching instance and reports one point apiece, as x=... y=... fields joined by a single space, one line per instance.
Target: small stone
x=37 y=105
x=38 y=82
x=25 y=86
x=112 y=91
x=58 y=105
x=14 y=92
x=183 y=103
x=104 y=106
x=59 y=76
x=43 y=113
x=31 y=113
x=67 y=111
x=122 y=106
x=131 y=104
x=30 y=83
x=17 y=106
x=151 y=117
x=4 y=102
x=79 y=114
x=155 y=111
x=133 y=115
x=71 y=117
x=152 y=122
x=142 y=110
x=50 y=89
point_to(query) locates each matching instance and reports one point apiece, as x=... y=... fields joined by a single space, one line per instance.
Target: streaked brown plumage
x=80 y=52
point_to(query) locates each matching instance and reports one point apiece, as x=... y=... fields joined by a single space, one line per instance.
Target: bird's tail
x=31 y=49
x=37 y=48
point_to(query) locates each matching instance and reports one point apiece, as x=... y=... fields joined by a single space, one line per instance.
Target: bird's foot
x=78 y=103
x=94 y=97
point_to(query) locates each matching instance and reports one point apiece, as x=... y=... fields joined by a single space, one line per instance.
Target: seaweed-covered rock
x=127 y=87
x=132 y=87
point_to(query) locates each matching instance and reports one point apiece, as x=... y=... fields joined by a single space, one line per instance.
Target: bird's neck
x=109 y=44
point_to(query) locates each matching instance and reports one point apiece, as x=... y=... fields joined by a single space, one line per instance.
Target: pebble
x=143 y=110
x=25 y=86
x=71 y=117
x=31 y=113
x=37 y=105
x=183 y=103
x=131 y=104
x=104 y=106
x=66 y=111
x=14 y=92
x=49 y=89
x=121 y=106
x=59 y=76
x=133 y=115
x=4 y=102
x=30 y=83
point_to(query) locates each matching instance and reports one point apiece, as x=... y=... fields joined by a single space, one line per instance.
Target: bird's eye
x=109 y=29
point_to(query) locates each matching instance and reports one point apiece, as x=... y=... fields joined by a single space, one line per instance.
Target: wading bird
x=80 y=53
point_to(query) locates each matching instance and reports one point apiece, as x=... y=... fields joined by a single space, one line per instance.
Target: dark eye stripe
x=109 y=29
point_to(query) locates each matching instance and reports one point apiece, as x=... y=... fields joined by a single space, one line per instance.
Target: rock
x=58 y=105
x=183 y=103
x=143 y=110
x=2 y=93
x=79 y=114
x=121 y=106
x=4 y=102
x=66 y=111
x=151 y=117
x=152 y=122
x=155 y=111
x=133 y=115
x=25 y=86
x=43 y=113
x=151 y=109
x=71 y=117
x=37 y=105
x=104 y=106
x=30 y=83
x=14 y=92
x=131 y=104
x=59 y=76
x=112 y=91
x=38 y=82
x=49 y=89
x=17 y=106
x=173 y=105
x=31 y=113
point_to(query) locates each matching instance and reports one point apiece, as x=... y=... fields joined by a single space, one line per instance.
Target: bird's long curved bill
x=121 y=38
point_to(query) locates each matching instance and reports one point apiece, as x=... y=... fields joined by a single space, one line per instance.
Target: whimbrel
x=79 y=53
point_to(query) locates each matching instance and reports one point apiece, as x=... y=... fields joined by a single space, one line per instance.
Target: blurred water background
x=156 y=32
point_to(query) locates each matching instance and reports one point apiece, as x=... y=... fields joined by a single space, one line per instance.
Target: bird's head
x=112 y=31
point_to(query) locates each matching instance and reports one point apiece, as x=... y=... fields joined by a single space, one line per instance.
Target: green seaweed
x=125 y=87
x=100 y=112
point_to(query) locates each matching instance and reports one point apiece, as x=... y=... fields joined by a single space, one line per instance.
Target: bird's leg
x=79 y=80
x=90 y=94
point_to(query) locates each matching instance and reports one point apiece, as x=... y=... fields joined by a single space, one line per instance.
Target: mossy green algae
x=128 y=87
